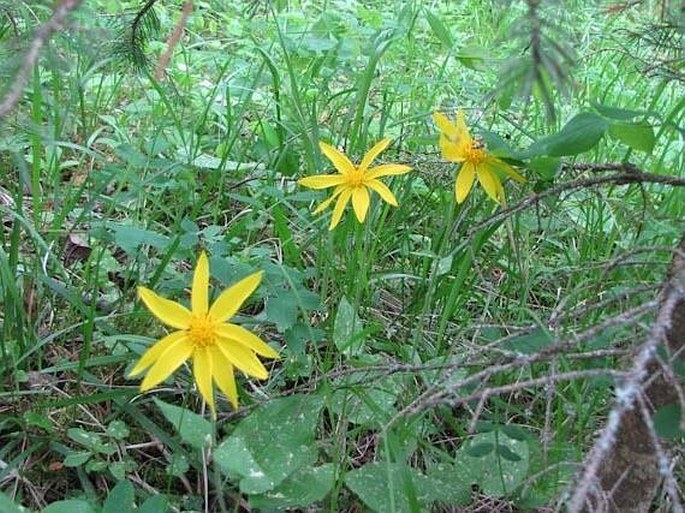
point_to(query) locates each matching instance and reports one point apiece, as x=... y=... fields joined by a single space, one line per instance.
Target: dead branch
x=621 y=178
x=173 y=40
x=628 y=438
x=40 y=38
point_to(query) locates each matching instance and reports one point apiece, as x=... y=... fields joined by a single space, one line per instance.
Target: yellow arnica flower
x=353 y=183
x=204 y=335
x=457 y=145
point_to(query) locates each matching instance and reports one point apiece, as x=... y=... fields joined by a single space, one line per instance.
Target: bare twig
x=628 y=394
x=41 y=36
x=622 y=178
x=173 y=40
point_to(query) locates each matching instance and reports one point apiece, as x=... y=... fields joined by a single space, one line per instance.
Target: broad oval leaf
x=273 y=443
x=69 y=506
x=580 y=134
x=120 y=499
x=639 y=136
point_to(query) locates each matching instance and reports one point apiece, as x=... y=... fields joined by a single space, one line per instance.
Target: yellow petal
x=167 y=363
x=387 y=170
x=465 y=178
x=500 y=165
x=231 y=299
x=445 y=125
x=360 y=202
x=169 y=312
x=490 y=183
x=450 y=150
x=202 y=372
x=154 y=352
x=382 y=191
x=324 y=204
x=321 y=181
x=463 y=135
x=199 y=299
x=500 y=192
x=339 y=160
x=373 y=153
x=243 y=359
x=238 y=334
x=343 y=199
x=223 y=376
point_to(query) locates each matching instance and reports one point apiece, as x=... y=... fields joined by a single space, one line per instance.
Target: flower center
x=202 y=331
x=355 y=178
x=476 y=153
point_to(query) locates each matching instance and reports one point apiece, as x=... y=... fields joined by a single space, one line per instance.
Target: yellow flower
x=457 y=145
x=353 y=183
x=204 y=335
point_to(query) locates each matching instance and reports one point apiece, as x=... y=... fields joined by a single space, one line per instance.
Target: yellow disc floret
x=202 y=331
x=355 y=178
x=475 y=153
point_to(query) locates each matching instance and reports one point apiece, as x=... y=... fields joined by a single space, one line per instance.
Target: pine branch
x=134 y=35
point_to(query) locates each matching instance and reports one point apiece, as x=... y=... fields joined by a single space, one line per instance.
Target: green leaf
x=69 y=506
x=275 y=441
x=348 y=329
x=616 y=113
x=580 y=134
x=389 y=487
x=440 y=30
x=546 y=167
x=668 y=421
x=154 y=504
x=193 y=428
x=507 y=453
x=36 y=419
x=7 y=506
x=92 y=441
x=282 y=310
x=80 y=436
x=371 y=405
x=118 y=470
x=117 y=429
x=121 y=499
x=480 y=450
x=96 y=465
x=451 y=484
x=130 y=238
x=76 y=459
x=496 y=475
x=178 y=466
x=639 y=136
x=379 y=486
x=515 y=432
x=529 y=343
x=473 y=57
x=305 y=487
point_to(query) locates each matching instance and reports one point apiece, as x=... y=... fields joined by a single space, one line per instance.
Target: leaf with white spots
x=305 y=487
x=497 y=472
x=270 y=445
x=389 y=487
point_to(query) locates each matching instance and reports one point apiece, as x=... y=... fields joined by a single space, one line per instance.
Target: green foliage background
x=390 y=330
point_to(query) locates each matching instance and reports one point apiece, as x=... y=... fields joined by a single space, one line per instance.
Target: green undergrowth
x=388 y=330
